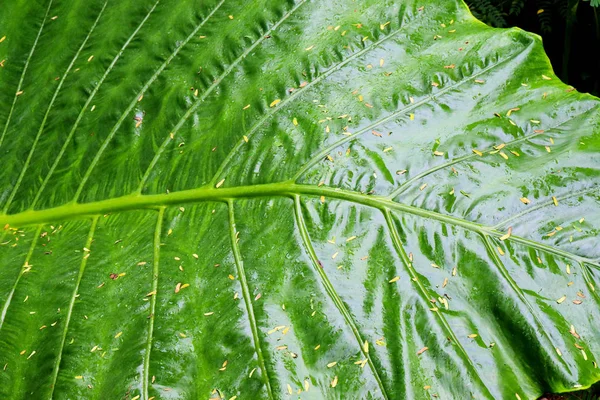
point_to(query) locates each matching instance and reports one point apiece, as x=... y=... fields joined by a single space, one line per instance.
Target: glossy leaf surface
x=279 y=199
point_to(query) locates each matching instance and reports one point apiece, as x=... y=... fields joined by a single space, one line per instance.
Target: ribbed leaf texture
x=378 y=199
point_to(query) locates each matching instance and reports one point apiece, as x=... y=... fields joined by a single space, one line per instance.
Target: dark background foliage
x=570 y=30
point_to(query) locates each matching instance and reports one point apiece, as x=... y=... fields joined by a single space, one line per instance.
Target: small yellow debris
x=525 y=200
x=334 y=382
x=90 y=58
x=331 y=364
x=472 y=336
x=479 y=153
x=309 y=48
x=423 y=350
x=394 y=279
x=247 y=106
x=561 y=299
x=295 y=122
x=275 y=102
x=500 y=251
x=511 y=111
x=220 y=183
x=507 y=235
x=555 y=200
x=547 y=78
x=118 y=335
x=438 y=153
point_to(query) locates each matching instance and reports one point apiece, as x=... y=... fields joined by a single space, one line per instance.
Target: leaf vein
x=155 y=271
x=541 y=331
x=424 y=297
x=133 y=103
x=56 y=367
x=247 y=299
x=544 y=204
x=330 y=290
x=87 y=104
x=295 y=95
x=136 y=202
x=319 y=156
x=457 y=160
x=208 y=91
x=12 y=107
x=14 y=288
x=43 y=124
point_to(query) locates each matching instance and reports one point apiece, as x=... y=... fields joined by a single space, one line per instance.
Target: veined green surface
x=279 y=199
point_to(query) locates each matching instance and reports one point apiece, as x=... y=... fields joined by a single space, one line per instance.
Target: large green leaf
x=307 y=199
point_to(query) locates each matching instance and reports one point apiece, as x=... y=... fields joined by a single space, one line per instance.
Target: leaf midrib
x=287 y=189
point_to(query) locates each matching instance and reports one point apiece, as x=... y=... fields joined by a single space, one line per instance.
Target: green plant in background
x=309 y=199
x=495 y=12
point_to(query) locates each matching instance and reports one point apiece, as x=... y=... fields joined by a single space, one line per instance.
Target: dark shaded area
x=570 y=30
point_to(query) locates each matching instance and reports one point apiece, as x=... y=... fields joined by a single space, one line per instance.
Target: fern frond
x=545 y=15
x=516 y=7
